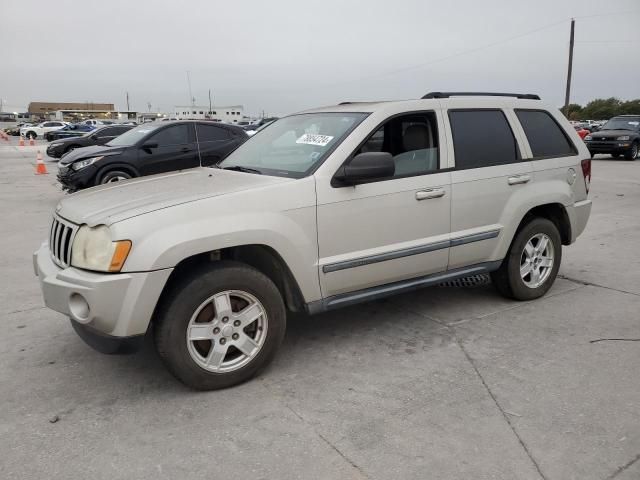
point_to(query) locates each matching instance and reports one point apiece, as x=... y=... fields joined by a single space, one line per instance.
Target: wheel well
x=554 y=212
x=261 y=257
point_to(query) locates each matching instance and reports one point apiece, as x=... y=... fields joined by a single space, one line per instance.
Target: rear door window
x=211 y=133
x=546 y=138
x=482 y=138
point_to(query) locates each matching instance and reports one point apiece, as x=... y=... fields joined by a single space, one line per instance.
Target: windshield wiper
x=240 y=168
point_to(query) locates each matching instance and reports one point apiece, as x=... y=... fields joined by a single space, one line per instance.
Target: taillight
x=586 y=172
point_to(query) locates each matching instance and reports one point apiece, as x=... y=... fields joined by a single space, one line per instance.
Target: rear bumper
x=578 y=216
x=106 y=305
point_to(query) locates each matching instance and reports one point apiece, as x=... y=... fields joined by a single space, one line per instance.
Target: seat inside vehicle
x=411 y=139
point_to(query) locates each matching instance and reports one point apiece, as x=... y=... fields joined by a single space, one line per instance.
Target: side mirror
x=148 y=146
x=365 y=167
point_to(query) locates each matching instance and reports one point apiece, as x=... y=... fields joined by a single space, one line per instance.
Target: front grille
x=60 y=241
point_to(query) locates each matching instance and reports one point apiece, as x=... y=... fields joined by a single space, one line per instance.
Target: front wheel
x=31 y=135
x=532 y=264
x=113 y=176
x=632 y=153
x=220 y=325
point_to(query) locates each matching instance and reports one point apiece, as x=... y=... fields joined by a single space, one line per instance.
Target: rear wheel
x=532 y=264
x=632 y=153
x=31 y=135
x=220 y=325
x=113 y=176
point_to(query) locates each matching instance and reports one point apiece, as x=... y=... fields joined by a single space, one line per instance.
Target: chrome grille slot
x=61 y=240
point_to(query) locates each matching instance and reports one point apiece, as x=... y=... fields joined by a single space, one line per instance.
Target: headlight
x=624 y=137
x=85 y=163
x=588 y=137
x=93 y=249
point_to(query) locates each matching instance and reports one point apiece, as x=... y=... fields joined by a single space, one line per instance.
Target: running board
x=382 y=291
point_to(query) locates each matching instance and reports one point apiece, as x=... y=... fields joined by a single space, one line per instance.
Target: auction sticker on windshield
x=313 y=139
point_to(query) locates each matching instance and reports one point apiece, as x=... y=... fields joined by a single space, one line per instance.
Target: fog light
x=79 y=307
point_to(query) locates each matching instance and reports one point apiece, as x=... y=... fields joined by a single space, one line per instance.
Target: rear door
x=489 y=171
x=170 y=148
x=215 y=142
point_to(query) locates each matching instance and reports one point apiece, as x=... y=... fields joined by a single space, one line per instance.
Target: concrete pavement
x=444 y=383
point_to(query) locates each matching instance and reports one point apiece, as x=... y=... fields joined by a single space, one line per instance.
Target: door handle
x=518 y=179
x=185 y=149
x=430 y=193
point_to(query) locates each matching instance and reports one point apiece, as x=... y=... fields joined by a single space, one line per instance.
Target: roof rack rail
x=527 y=96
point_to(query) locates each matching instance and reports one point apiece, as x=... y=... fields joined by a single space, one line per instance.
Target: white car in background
x=38 y=131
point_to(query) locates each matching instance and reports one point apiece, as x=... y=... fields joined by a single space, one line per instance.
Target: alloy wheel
x=536 y=260
x=227 y=331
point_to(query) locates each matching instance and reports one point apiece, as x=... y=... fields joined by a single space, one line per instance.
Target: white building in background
x=231 y=114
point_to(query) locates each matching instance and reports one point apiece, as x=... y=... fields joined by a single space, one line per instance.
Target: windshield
x=132 y=137
x=630 y=123
x=292 y=146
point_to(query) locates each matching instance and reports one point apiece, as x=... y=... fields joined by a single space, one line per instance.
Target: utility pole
x=191 y=99
x=210 y=107
x=128 y=109
x=568 y=91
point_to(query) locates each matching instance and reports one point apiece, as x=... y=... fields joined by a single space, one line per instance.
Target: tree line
x=602 y=109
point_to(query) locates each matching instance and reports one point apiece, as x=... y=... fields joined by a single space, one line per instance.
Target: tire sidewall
x=183 y=300
x=519 y=289
x=109 y=173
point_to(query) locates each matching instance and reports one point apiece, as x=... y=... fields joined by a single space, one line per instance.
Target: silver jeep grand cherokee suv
x=320 y=210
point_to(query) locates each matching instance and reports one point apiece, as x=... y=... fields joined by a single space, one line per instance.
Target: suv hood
x=111 y=203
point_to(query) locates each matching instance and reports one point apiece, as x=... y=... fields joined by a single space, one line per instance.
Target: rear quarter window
x=482 y=138
x=546 y=138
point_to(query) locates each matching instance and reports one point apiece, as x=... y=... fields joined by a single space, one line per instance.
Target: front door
x=393 y=229
x=171 y=148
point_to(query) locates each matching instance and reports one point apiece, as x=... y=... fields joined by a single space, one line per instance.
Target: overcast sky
x=286 y=55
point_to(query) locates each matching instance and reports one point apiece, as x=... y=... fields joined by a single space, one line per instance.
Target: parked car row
x=110 y=155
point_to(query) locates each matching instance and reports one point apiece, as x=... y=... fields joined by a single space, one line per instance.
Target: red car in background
x=583 y=132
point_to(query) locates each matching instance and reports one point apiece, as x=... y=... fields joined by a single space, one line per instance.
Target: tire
x=615 y=155
x=632 y=153
x=112 y=176
x=189 y=302
x=508 y=279
x=31 y=135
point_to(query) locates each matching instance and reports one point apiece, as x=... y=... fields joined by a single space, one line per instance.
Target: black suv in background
x=58 y=148
x=619 y=136
x=148 y=149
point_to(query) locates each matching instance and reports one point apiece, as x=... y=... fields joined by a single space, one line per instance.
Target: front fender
x=166 y=237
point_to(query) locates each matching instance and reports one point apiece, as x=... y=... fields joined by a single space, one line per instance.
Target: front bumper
x=55 y=151
x=76 y=180
x=111 y=306
x=608 y=146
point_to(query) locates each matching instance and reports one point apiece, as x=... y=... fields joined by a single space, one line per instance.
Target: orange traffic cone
x=41 y=168
x=21 y=142
x=32 y=142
